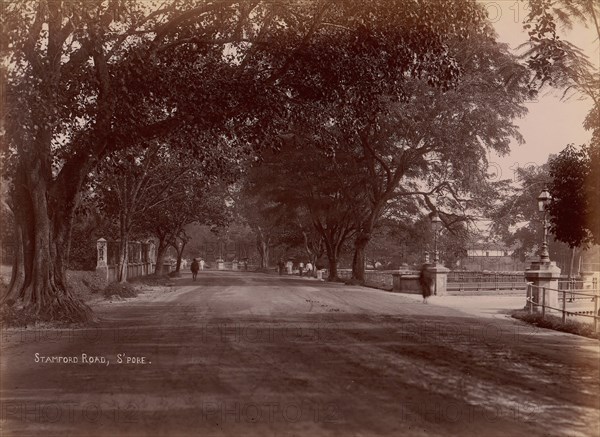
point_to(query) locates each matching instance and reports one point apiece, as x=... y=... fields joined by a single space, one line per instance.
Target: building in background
x=493 y=257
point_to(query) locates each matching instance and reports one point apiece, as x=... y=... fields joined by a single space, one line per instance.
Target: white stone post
x=102 y=258
x=151 y=256
x=102 y=255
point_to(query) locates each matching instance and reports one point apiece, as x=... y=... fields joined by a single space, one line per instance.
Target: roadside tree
x=516 y=220
x=296 y=187
x=192 y=200
x=575 y=188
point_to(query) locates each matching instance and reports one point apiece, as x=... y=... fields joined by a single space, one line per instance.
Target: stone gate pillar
x=439 y=276
x=590 y=280
x=151 y=252
x=544 y=275
x=102 y=258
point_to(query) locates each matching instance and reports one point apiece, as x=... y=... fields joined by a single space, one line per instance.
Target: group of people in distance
x=302 y=269
x=196 y=266
x=425 y=279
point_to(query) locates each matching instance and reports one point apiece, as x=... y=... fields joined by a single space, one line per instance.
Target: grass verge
x=153 y=280
x=123 y=290
x=555 y=323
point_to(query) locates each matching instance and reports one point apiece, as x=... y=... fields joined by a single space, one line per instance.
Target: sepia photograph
x=298 y=218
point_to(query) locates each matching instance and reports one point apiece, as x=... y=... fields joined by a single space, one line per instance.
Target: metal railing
x=487 y=285
x=469 y=276
x=475 y=281
x=577 y=283
x=565 y=295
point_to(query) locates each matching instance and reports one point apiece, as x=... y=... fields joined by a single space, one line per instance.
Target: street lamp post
x=436 y=223
x=438 y=274
x=543 y=201
x=543 y=275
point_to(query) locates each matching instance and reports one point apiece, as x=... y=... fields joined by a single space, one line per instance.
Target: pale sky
x=551 y=123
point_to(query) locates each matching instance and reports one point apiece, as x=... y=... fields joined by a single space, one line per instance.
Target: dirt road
x=251 y=354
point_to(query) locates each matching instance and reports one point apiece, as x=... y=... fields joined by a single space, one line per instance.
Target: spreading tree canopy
x=420 y=141
x=83 y=79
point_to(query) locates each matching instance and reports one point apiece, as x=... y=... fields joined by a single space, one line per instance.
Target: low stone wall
x=383 y=280
x=134 y=270
x=231 y=265
x=406 y=283
x=140 y=260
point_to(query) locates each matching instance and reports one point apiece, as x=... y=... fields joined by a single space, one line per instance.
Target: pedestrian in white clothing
x=309 y=268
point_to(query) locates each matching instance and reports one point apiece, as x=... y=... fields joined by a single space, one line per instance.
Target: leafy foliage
x=517 y=221
x=416 y=147
x=575 y=205
x=298 y=187
x=515 y=218
x=558 y=62
x=89 y=225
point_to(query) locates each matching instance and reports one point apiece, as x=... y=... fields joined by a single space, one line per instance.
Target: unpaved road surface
x=252 y=354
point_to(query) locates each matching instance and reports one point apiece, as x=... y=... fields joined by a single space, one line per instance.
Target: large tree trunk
x=123 y=254
x=264 y=256
x=332 y=250
x=161 y=251
x=262 y=245
x=358 y=261
x=571 y=263
x=43 y=220
x=333 y=238
x=333 y=273
x=124 y=226
x=179 y=250
x=312 y=250
x=123 y=259
x=44 y=205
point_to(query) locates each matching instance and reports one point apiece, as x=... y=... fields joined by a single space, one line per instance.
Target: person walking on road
x=425 y=283
x=309 y=268
x=201 y=264
x=195 y=267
